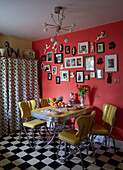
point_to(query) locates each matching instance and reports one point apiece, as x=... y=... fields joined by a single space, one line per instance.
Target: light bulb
x=73 y=25
x=52 y=39
x=56 y=42
x=66 y=40
x=45 y=29
x=70 y=30
x=44 y=24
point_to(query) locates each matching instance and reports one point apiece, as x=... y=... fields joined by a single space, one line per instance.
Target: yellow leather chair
x=76 y=137
x=25 y=108
x=109 y=116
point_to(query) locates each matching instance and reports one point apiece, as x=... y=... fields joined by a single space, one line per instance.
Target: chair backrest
x=108 y=113
x=87 y=122
x=26 y=107
x=45 y=102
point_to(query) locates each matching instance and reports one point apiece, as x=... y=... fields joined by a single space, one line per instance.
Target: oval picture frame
x=42 y=66
x=74 y=51
x=61 y=47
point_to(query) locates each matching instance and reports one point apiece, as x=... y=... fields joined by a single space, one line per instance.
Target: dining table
x=59 y=115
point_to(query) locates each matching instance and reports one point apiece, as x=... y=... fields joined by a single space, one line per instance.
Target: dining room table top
x=60 y=114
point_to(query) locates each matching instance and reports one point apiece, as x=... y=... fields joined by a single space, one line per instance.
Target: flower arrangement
x=83 y=89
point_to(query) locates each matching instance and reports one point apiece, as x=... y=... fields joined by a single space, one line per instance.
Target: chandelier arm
x=66 y=27
x=54 y=20
x=51 y=25
x=62 y=33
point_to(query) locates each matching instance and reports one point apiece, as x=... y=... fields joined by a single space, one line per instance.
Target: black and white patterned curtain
x=18 y=82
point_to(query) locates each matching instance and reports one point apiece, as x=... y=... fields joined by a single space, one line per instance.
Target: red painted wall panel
x=101 y=92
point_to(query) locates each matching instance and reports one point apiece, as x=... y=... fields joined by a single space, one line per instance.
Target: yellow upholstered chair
x=108 y=117
x=76 y=137
x=25 y=108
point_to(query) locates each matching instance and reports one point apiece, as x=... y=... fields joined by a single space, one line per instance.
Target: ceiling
x=24 y=18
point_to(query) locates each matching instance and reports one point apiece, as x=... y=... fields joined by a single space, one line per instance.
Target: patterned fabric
x=22 y=82
x=3 y=97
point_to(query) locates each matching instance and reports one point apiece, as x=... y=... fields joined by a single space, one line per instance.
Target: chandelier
x=58 y=24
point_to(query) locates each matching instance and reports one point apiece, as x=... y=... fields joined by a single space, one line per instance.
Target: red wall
x=101 y=92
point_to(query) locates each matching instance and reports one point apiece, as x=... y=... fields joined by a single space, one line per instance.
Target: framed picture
x=58 y=58
x=61 y=47
x=92 y=74
x=57 y=80
x=74 y=50
x=111 y=63
x=47 y=68
x=79 y=76
x=74 y=62
x=100 y=73
x=64 y=75
x=42 y=65
x=86 y=77
x=43 y=58
x=100 y=47
x=49 y=57
x=67 y=49
x=83 y=48
x=90 y=63
x=54 y=70
x=49 y=76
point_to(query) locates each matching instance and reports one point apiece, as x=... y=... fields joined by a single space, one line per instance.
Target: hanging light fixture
x=58 y=24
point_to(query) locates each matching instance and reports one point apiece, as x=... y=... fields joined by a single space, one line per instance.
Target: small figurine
x=54 y=46
x=46 y=48
x=92 y=47
x=103 y=35
x=71 y=95
x=109 y=78
x=11 y=50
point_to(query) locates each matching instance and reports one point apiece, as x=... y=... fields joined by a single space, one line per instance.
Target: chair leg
x=93 y=150
x=58 y=148
x=20 y=134
x=81 y=157
x=114 y=144
x=33 y=137
x=27 y=137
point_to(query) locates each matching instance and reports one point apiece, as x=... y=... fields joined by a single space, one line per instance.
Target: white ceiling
x=24 y=18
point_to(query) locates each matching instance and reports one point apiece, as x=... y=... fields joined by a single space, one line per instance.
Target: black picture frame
x=100 y=47
x=58 y=58
x=100 y=73
x=57 y=80
x=67 y=49
x=61 y=47
x=43 y=58
x=80 y=76
x=90 y=63
x=49 y=76
x=86 y=77
x=74 y=51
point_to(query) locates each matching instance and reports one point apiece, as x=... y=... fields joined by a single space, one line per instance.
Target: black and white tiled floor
x=16 y=156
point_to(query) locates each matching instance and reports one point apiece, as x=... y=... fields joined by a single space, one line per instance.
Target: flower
x=83 y=89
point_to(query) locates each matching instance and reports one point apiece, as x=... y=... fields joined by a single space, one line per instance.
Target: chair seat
x=99 y=130
x=34 y=123
x=70 y=137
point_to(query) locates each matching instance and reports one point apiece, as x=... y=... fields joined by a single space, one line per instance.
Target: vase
x=82 y=100
x=2 y=51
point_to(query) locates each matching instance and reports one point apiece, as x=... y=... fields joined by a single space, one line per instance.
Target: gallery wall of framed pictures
x=90 y=57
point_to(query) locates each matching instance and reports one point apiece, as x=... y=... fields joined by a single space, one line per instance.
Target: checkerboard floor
x=15 y=155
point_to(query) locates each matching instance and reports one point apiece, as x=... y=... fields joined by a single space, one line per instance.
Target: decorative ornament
x=74 y=50
x=92 y=47
x=11 y=50
x=72 y=75
x=112 y=45
x=54 y=46
x=62 y=67
x=99 y=61
x=61 y=47
x=47 y=46
x=103 y=35
x=109 y=78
